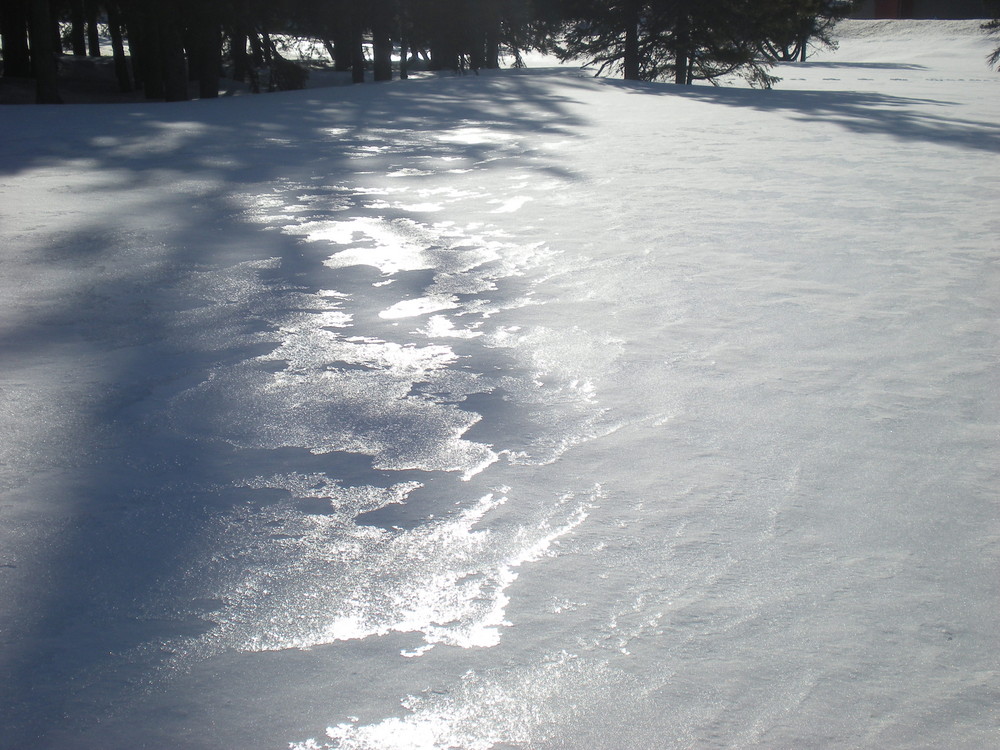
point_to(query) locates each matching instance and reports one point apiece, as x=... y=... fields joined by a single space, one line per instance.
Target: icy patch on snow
x=445 y=579
x=510 y=205
x=439 y=326
x=525 y=705
x=370 y=412
x=412 y=308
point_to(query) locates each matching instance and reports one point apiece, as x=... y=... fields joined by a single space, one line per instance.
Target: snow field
x=518 y=410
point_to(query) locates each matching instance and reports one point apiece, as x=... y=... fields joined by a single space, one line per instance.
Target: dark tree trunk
x=476 y=11
x=382 y=41
x=357 y=50
x=161 y=62
x=208 y=40
x=55 y=32
x=631 y=64
x=238 y=50
x=267 y=47
x=92 y=11
x=405 y=30
x=491 y=55
x=130 y=26
x=342 y=55
x=191 y=37
x=78 y=28
x=14 y=38
x=404 y=60
x=146 y=56
x=444 y=54
x=256 y=50
x=682 y=61
x=175 y=79
x=43 y=56
x=118 y=49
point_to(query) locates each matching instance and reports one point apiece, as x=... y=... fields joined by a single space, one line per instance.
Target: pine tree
x=993 y=26
x=14 y=39
x=679 y=40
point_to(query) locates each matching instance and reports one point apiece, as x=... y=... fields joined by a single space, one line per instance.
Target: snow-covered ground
x=521 y=410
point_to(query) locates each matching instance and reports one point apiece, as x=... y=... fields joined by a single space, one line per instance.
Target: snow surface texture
x=522 y=410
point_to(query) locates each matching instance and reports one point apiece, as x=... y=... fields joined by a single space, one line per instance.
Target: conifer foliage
x=688 y=40
x=993 y=27
x=173 y=49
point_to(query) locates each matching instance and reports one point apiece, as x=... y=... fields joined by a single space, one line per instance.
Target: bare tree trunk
x=78 y=28
x=631 y=65
x=207 y=63
x=43 y=57
x=404 y=61
x=118 y=49
x=146 y=57
x=14 y=38
x=175 y=79
x=682 y=61
x=238 y=50
x=55 y=31
x=92 y=10
x=256 y=50
x=357 y=51
x=382 y=42
x=342 y=54
x=491 y=55
x=475 y=34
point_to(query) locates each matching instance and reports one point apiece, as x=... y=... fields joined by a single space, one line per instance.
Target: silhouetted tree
x=92 y=11
x=793 y=24
x=78 y=28
x=122 y=74
x=14 y=16
x=43 y=54
x=688 y=40
x=382 y=20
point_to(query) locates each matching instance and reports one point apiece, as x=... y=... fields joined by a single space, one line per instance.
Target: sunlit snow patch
x=520 y=705
x=439 y=326
x=388 y=246
x=340 y=393
x=475 y=134
x=411 y=308
x=296 y=580
x=510 y=205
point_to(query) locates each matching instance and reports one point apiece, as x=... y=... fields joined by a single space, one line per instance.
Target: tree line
x=167 y=48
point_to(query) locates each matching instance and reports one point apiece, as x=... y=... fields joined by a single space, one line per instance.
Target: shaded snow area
x=521 y=410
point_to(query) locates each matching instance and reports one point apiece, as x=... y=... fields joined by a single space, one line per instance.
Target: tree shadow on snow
x=899 y=117
x=131 y=486
x=810 y=65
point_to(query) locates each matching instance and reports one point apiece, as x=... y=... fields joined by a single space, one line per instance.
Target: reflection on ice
x=527 y=704
x=296 y=580
x=439 y=326
x=411 y=308
x=292 y=578
x=510 y=205
x=452 y=390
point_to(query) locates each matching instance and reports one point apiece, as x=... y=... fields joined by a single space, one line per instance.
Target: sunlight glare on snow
x=445 y=580
x=412 y=308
